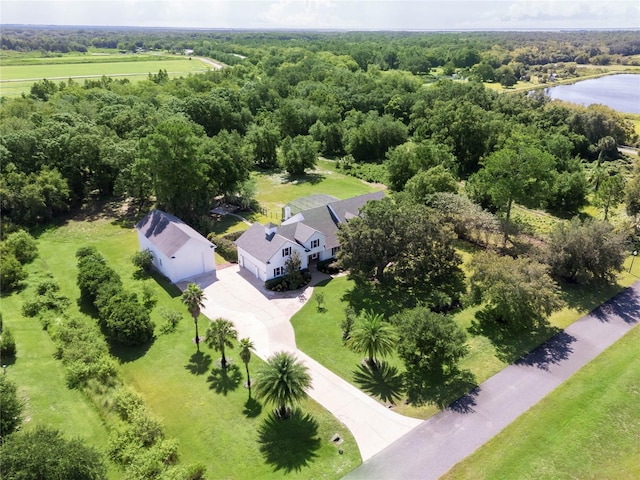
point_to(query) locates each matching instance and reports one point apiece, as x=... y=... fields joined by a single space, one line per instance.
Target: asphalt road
x=431 y=449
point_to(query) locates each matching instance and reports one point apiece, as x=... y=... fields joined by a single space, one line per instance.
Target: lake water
x=620 y=92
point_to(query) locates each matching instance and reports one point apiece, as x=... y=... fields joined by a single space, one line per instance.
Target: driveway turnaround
x=264 y=316
x=431 y=449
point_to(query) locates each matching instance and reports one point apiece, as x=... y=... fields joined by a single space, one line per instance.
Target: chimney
x=270 y=229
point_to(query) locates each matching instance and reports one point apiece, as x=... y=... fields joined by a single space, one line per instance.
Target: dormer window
x=315 y=243
x=286 y=251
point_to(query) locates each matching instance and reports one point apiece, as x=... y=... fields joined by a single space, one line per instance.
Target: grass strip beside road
x=587 y=428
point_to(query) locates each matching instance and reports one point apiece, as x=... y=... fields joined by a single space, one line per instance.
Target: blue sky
x=329 y=14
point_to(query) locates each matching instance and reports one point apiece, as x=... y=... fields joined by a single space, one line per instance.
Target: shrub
x=143 y=260
x=225 y=248
x=171 y=318
x=7 y=344
x=329 y=266
x=126 y=320
x=12 y=407
x=282 y=284
x=23 y=246
x=126 y=402
x=12 y=272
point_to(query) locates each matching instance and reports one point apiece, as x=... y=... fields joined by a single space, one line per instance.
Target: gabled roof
x=261 y=245
x=168 y=232
x=300 y=228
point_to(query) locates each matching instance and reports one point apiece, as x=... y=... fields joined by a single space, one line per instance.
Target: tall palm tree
x=221 y=334
x=372 y=336
x=246 y=346
x=193 y=297
x=283 y=382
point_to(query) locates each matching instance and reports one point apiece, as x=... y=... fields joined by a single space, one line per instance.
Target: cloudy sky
x=329 y=14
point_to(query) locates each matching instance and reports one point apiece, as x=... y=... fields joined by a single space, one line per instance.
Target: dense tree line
x=185 y=141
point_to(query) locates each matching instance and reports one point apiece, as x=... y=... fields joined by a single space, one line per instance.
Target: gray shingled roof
x=324 y=219
x=257 y=243
x=168 y=232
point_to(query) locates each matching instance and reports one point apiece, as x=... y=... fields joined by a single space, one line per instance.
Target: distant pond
x=620 y=92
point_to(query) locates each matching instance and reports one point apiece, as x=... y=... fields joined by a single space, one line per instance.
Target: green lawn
x=16 y=79
x=319 y=333
x=587 y=428
x=206 y=413
x=276 y=189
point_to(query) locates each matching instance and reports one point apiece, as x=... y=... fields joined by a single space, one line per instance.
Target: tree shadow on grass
x=511 y=341
x=199 y=363
x=384 y=382
x=224 y=380
x=129 y=353
x=456 y=390
x=289 y=444
x=310 y=178
x=252 y=408
x=367 y=296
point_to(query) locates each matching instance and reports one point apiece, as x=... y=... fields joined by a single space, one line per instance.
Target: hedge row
x=123 y=318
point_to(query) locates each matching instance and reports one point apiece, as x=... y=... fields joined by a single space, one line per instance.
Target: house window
x=278 y=271
x=286 y=251
x=334 y=251
x=315 y=244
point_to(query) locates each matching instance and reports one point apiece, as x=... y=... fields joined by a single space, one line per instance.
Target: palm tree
x=372 y=336
x=193 y=297
x=283 y=382
x=221 y=334
x=246 y=346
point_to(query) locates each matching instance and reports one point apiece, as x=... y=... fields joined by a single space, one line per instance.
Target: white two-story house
x=264 y=249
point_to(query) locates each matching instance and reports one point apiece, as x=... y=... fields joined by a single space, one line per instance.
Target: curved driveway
x=264 y=317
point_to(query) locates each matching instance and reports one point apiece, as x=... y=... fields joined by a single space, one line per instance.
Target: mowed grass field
x=587 y=428
x=17 y=79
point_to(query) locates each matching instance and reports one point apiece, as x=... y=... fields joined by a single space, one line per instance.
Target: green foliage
x=517 y=293
x=434 y=180
x=399 y=244
x=7 y=344
x=46 y=298
x=225 y=247
x=84 y=353
x=126 y=320
x=610 y=193
x=171 y=319
x=299 y=154
x=94 y=274
x=45 y=453
x=283 y=382
x=520 y=173
x=143 y=260
x=407 y=160
x=292 y=271
x=632 y=196
x=22 y=245
x=372 y=336
x=11 y=413
x=219 y=335
x=347 y=323
x=582 y=250
x=12 y=273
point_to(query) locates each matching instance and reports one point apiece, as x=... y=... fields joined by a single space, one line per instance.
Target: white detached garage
x=179 y=252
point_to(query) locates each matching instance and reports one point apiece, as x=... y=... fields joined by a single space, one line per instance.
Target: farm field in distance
x=18 y=74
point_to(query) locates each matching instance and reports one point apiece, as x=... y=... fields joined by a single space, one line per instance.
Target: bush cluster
x=46 y=298
x=18 y=249
x=122 y=316
x=225 y=247
x=283 y=283
x=83 y=352
x=329 y=266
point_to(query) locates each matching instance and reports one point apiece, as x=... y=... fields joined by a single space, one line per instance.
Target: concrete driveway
x=263 y=316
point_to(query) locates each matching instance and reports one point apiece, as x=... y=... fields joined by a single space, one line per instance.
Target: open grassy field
x=276 y=189
x=211 y=416
x=18 y=78
x=587 y=428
